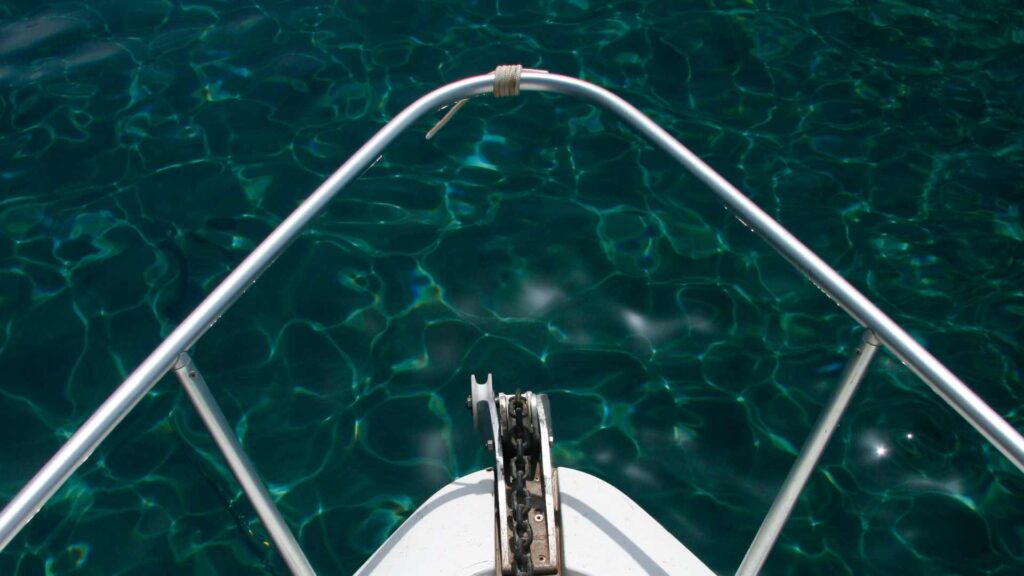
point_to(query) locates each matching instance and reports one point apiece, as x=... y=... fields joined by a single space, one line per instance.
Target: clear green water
x=147 y=146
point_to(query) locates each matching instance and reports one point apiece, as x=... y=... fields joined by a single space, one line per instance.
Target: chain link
x=522 y=532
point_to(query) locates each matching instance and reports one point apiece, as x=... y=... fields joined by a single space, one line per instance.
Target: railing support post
x=808 y=458
x=240 y=464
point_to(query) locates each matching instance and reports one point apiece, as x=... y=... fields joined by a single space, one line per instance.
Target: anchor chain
x=516 y=428
x=521 y=537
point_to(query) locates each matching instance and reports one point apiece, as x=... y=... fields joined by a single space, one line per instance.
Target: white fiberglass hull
x=603 y=532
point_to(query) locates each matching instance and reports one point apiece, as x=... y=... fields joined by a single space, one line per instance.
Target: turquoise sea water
x=147 y=146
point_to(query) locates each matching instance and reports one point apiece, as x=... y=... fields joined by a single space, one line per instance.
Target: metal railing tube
x=241 y=466
x=84 y=441
x=805 y=463
x=950 y=388
x=88 y=436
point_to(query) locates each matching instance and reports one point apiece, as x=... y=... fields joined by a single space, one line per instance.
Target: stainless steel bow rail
x=505 y=81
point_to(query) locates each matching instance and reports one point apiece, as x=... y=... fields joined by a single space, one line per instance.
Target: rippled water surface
x=147 y=146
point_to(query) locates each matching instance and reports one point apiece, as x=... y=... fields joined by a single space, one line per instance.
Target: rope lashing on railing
x=506 y=83
x=506 y=80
